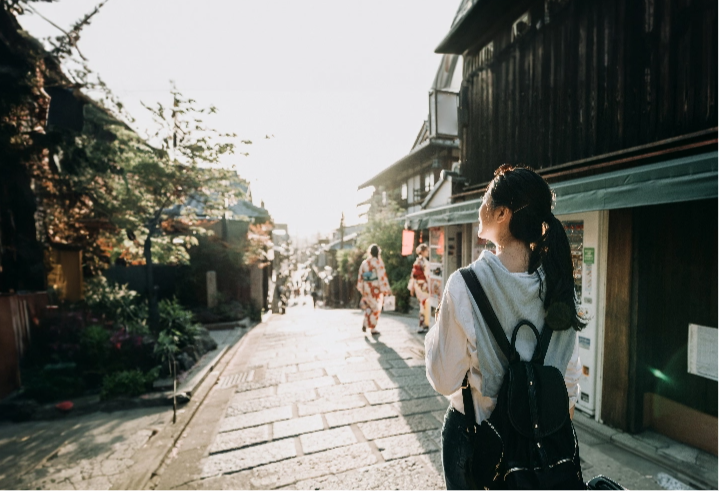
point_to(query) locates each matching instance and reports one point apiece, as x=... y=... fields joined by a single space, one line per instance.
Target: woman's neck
x=514 y=255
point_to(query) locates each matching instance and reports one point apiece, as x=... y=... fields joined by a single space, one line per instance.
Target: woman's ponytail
x=559 y=297
x=529 y=197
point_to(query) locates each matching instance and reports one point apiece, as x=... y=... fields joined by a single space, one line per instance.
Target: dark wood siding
x=677 y=280
x=598 y=77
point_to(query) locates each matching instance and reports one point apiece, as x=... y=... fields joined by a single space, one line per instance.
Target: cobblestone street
x=89 y=452
x=311 y=402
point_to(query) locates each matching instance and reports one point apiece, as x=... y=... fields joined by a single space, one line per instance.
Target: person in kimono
x=372 y=284
x=419 y=285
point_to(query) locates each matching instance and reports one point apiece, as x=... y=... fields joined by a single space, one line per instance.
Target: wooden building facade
x=615 y=104
x=552 y=83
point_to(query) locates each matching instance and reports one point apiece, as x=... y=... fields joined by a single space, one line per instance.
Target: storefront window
x=428 y=182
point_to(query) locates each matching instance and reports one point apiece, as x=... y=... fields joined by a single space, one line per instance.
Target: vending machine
x=587 y=240
x=436 y=260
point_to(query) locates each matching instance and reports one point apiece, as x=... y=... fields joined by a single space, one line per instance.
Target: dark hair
x=374 y=250
x=529 y=197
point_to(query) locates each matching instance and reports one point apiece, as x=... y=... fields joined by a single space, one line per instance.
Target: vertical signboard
x=583 y=233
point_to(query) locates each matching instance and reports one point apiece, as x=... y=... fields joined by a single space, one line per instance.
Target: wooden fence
x=19 y=316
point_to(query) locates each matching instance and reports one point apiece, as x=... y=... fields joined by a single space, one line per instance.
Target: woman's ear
x=502 y=214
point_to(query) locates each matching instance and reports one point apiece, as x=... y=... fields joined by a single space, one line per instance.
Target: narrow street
x=310 y=402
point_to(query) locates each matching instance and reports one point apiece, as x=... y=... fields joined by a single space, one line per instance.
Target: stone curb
x=151 y=457
x=687 y=472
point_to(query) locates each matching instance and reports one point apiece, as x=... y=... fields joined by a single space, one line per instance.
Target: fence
x=19 y=316
x=164 y=277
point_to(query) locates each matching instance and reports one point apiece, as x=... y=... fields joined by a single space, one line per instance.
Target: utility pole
x=342 y=246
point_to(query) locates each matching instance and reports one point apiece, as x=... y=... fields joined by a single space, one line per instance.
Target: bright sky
x=341 y=85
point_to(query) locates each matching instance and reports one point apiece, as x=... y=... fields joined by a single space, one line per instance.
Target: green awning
x=444 y=215
x=683 y=179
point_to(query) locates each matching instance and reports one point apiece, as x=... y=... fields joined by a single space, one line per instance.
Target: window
x=486 y=54
x=521 y=26
x=384 y=197
x=428 y=182
x=404 y=191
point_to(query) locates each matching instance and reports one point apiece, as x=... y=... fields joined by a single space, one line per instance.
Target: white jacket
x=451 y=345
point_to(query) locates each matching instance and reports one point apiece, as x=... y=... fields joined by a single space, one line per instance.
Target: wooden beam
x=615 y=386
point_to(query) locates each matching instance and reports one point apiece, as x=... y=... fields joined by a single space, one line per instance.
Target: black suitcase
x=603 y=482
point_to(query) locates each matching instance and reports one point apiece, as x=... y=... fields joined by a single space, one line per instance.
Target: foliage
x=225 y=311
x=211 y=254
x=117 y=303
x=258 y=241
x=52 y=382
x=95 y=345
x=177 y=330
x=166 y=346
x=176 y=319
x=401 y=294
x=128 y=383
x=349 y=262
x=94 y=348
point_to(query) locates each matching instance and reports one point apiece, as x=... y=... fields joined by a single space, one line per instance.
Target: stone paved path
x=310 y=402
x=323 y=406
x=87 y=452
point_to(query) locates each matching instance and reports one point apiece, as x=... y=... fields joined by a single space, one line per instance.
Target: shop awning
x=444 y=215
x=683 y=179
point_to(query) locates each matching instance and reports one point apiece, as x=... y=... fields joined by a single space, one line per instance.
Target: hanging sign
x=407 y=242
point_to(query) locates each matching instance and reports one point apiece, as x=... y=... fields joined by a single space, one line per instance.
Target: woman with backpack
x=372 y=284
x=529 y=279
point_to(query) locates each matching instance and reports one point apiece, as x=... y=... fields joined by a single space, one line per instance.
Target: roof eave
x=477 y=26
x=432 y=142
x=454 y=42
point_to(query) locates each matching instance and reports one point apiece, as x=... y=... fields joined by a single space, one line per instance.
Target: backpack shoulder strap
x=480 y=298
x=469 y=419
x=543 y=345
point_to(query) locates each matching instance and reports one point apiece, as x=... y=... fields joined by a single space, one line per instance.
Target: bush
x=117 y=304
x=52 y=382
x=401 y=295
x=130 y=383
x=175 y=319
x=94 y=345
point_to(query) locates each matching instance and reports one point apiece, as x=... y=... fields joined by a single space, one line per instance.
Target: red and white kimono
x=419 y=285
x=372 y=283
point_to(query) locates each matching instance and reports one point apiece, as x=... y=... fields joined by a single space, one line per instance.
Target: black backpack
x=529 y=441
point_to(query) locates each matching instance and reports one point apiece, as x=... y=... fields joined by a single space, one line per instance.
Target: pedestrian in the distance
x=313 y=293
x=372 y=284
x=530 y=275
x=419 y=285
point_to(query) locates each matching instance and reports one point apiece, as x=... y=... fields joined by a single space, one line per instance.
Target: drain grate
x=232 y=380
